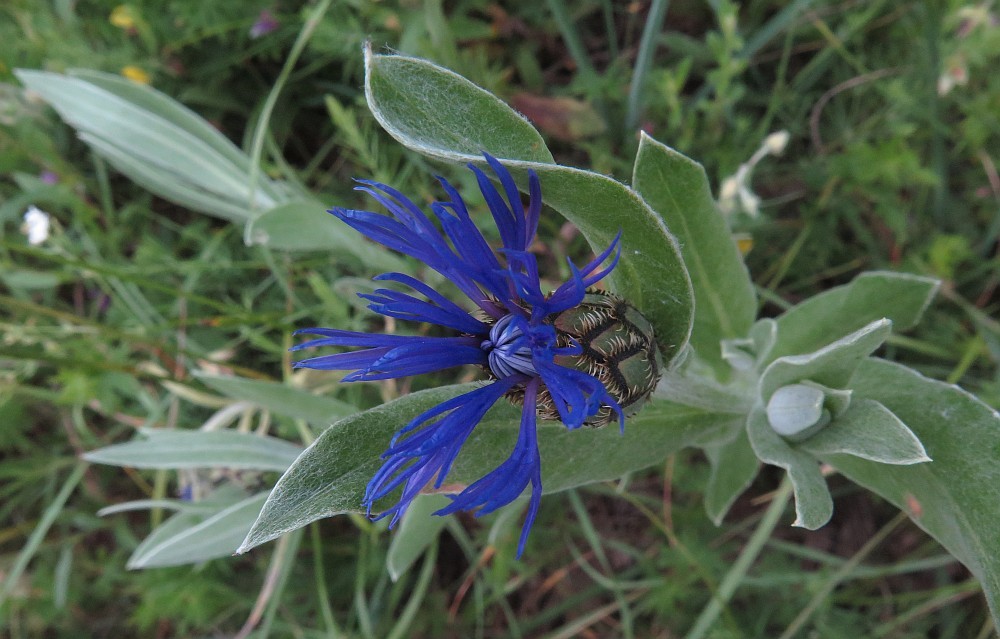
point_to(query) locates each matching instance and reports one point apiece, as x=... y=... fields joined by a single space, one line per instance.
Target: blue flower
x=510 y=335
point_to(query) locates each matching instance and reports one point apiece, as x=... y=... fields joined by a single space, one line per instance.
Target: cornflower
x=565 y=355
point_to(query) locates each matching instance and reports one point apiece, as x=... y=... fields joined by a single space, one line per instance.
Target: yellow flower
x=122 y=17
x=136 y=74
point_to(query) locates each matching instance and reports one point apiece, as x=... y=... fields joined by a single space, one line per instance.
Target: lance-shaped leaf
x=156 y=142
x=956 y=497
x=734 y=467
x=899 y=297
x=188 y=537
x=868 y=429
x=676 y=187
x=281 y=398
x=831 y=365
x=813 y=504
x=169 y=448
x=329 y=478
x=440 y=114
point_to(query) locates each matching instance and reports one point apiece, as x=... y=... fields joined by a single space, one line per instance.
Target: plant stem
x=260 y=131
x=739 y=570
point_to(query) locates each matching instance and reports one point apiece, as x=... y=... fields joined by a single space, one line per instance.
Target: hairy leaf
x=169 y=448
x=188 y=538
x=813 y=504
x=281 y=398
x=899 y=297
x=869 y=430
x=831 y=365
x=734 y=467
x=956 y=497
x=677 y=188
x=433 y=111
x=439 y=113
x=329 y=478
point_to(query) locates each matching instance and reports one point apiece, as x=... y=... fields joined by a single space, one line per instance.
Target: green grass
x=132 y=294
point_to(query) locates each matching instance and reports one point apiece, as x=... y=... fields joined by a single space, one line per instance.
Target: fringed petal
x=506 y=483
x=427 y=447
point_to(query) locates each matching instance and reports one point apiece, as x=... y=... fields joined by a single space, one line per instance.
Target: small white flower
x=735 y=193
x=776 y=142
x=36 y=225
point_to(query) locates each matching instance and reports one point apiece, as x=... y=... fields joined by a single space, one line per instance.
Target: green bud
x=618 y=349
x=797 y=411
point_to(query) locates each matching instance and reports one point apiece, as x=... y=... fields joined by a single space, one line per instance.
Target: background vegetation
x=893 y=113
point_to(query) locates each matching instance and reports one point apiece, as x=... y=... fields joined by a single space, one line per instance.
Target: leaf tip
x=246 y=546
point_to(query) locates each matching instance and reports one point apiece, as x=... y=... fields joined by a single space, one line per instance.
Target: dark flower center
x=509 y=349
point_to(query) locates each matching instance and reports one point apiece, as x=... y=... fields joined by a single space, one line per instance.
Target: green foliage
x=329 y=478
x=141 y=313
x=677 y=188
x=650 y=274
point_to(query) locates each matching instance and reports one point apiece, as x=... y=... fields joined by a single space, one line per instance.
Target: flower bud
x=776 y=142
x=617 y=347
x=797 y=411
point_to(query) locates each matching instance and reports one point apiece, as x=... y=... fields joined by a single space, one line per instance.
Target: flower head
x=531 y=344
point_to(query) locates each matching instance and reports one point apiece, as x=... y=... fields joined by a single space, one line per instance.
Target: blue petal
x=404 y=361
x=338 y=337
x=572 y=291
x=506 y=483
x=464 y=234
x=413 y=234
x=504 y=218
x=392 y=356
x=343 y=361
x=429 y=452
x=577 y=395
x=400 y=305
x=460 y=318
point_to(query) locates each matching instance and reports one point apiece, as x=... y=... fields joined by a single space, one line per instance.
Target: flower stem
x=739 y=570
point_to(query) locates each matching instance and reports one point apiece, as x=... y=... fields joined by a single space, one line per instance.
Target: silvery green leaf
x=690 y=387
x=813 y=503
x=832 y=365
x=956 y=497
x=734 y=467
x=169 y=448
x=281 y=398
x=435 y=112
x=306 y=226
x=764 y=334
x=438 y=113
x=868 y=430
x=677 y=188
x=418 y=529
x=188 y=538
x=140 y=136
x=899 y=297
x=163 y=106
x=179 y=505
x=738 y=353
x=167 y=186
x=329 y=477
